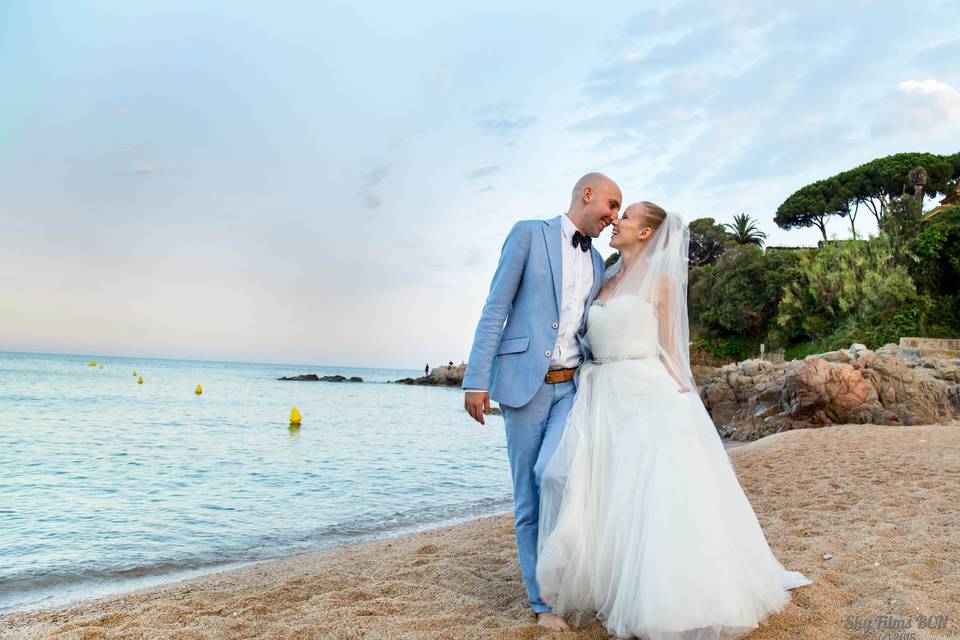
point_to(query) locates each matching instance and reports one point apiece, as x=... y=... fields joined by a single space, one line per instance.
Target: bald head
x=593 y=181
x=595 y=203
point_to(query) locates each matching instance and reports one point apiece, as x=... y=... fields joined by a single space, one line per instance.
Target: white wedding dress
x=643 y=521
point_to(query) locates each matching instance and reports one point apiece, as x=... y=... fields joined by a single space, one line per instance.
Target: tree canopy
x=708 y=241
x=871 y=185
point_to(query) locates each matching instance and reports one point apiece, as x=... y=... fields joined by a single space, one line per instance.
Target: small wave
x=268 y=546
x=68 y=577
x=72 y=583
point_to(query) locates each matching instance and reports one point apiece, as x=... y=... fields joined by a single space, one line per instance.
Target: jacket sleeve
x=503 y=290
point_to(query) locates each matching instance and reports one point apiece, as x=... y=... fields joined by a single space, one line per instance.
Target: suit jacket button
x=556 y=325
x=546 y=353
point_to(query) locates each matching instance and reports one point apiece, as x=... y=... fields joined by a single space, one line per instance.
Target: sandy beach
x=883 y=502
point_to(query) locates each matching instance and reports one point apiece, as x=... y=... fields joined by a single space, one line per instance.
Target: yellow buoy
x=140 y=380
x=199 y=390
x=92 y=363
x=295 y=417
x=134 y=373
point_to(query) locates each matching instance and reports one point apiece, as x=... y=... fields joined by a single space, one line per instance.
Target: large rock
x=893 y=386
x=312 y=377
x=445 y=376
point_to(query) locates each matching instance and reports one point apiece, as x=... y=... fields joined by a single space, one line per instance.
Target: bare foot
x=552 y=621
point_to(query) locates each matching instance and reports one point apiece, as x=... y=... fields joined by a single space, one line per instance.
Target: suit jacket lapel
x=552 y=237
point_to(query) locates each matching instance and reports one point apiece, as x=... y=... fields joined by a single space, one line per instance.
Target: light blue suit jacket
x=517 y=331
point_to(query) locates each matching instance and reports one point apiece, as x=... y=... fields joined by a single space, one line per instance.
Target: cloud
x=485 y=189
x=504 y=120
x=701 y=97
x=375 y=177
x=645 y=115
x=372 y=201
x=485 y=170
x=691 y=48
x=507 y=127
x=150 y=169
x=370 y=182
x=649 y=22
x=496 y=109
x=922 y=107
x=945 y=97
x=938 y=59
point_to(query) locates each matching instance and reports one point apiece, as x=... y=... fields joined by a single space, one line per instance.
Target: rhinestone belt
x=629 y=356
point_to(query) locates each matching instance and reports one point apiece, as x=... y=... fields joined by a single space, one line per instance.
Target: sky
x=331 y=182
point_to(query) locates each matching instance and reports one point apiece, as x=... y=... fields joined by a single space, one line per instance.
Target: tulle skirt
x=643 y=522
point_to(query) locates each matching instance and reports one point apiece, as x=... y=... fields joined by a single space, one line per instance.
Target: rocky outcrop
x=892 y=386
x=312 y=377
x=445 y=376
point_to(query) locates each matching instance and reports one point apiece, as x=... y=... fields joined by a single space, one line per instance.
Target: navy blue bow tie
x=581 y=240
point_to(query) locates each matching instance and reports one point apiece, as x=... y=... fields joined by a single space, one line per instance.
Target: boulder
x=445 y=376
x=312 y=377
x=893 y=385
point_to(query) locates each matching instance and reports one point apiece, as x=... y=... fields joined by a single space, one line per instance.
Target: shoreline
x=157 y=577
x=67 y=595
x=879 y=500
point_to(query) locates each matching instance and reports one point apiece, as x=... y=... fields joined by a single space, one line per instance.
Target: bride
x=642 y=519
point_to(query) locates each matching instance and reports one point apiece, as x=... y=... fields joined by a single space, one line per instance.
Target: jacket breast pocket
x=513 y=345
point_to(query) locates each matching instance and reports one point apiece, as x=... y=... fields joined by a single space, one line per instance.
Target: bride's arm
x=666 y=305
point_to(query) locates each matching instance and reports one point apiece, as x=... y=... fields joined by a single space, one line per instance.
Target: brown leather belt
x=559 y=375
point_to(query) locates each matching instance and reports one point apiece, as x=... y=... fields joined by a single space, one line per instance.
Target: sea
x=108 y=485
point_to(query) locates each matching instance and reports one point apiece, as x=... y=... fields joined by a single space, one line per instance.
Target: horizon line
x=92 y=355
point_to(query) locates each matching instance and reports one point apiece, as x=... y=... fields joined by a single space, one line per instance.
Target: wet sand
x=884 y=502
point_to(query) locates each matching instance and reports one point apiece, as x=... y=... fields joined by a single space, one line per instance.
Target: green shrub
x=852 y=291
x=739 y=295
x=801 y=350
x=729 y=347
x=936 y=270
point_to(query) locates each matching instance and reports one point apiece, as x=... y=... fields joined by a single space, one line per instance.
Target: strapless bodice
x=624 y=327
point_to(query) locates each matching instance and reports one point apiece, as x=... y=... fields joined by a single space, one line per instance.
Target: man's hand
x=477 y=404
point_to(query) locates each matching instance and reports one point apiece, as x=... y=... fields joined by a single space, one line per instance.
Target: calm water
x=106 y=484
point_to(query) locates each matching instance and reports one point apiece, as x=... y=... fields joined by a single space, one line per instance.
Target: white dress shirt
x=574 y=290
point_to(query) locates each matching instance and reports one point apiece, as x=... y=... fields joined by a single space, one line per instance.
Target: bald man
x=527 y=348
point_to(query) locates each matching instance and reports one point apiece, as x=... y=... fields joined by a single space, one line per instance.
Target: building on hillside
x=773 y=249
x=822 y=243
x=951 y=199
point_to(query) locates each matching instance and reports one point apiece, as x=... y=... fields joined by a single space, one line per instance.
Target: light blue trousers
x=533 y=433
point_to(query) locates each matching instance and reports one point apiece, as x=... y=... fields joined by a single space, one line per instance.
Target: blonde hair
x=653 y=214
